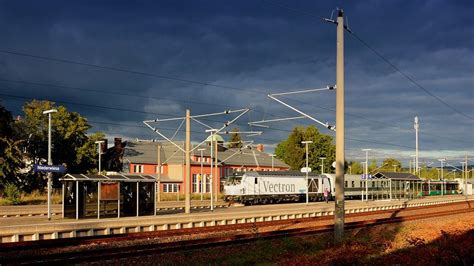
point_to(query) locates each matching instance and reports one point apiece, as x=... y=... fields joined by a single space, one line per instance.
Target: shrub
x=12 y=194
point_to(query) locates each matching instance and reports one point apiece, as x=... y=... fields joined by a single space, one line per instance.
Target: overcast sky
x=172 y=49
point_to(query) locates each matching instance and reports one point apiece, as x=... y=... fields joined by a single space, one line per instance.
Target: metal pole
x=273 y=165
x=63 y=192
x=465 y=176
x=216 y=176
x=307 y=170
x=50 y=162
x=118 y=207
x=211 y=181
x=417 y=126
x=366 y=173
x=390 y=180
x=77 y=200
x=159 y=173
x=98 y=200
x=339 y=203
x=201 y=176
x=100 y=160
x=322 y=164
x=188 y=182
x=138 y=197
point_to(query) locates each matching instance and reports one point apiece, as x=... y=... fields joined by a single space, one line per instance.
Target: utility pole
x=217 y=179
x=158 y=190
x=366 y=168
x=339 y=204
x=307 y=169
x=188 y=182
x=201 y=176
x=211 y=138
x=99 y=150
x=50 y=161
x=273 y=165
x=417 y=126
x=442 y=176
x=465 y=175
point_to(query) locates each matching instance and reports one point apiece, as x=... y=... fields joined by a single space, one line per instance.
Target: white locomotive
x=262 y=187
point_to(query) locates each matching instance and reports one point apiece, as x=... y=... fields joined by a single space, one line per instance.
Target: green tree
x=11 y=161
x=373 y=166
x=390 y=164
x=10 y=153
x=355 y=168
x=71 y=146
x=235 y=139
x=293 y=152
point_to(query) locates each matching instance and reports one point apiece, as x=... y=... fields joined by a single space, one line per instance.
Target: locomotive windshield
x=233 y=179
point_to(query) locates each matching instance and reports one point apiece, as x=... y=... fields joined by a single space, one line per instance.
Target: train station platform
x=36 y=228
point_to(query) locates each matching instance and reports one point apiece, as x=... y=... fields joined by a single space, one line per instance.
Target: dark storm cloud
x=252 y=45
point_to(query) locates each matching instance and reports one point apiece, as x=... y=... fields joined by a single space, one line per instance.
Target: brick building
x=142 y=157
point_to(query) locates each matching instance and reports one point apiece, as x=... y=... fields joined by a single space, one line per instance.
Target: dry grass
x=34 y=198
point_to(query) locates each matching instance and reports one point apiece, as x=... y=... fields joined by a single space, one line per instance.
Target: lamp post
x=322 y=164
x=307 y=169
x=202 y=186
x=99 y=150
x=50 y=161
x=442 y=176
x=394 y=167
x=212 y=131
x=366 y=172
x=414 y=164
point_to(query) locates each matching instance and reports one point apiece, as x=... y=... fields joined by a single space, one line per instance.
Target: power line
x=418 y=85
x=109 y=92
x=160 y=76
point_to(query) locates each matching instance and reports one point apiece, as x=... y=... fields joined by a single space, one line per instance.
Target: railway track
x=102 y=248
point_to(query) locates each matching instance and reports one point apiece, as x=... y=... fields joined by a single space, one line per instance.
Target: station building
x=144 y=157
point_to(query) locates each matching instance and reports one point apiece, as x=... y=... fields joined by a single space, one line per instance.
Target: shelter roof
x=111 y=178
x=397 y=176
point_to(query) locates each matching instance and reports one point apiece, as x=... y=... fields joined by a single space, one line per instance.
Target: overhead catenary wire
x=117 y=69
x=381 y=56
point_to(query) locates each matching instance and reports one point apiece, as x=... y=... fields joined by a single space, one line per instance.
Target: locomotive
x=266 y=187
x=263 y=187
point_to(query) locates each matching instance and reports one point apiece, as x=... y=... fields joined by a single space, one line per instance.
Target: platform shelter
x=394 y=185
x=105 y=196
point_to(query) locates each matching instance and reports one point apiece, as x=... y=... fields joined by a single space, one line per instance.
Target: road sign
x=364 y=176
x=49 y=168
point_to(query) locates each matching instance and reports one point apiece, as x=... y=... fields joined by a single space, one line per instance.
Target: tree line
x=24 y=142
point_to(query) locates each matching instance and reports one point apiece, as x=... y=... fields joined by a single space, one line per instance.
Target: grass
x=33 y=198
x=37 y=197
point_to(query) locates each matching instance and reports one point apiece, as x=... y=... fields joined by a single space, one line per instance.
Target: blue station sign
x=364 y=176
x=49 y=168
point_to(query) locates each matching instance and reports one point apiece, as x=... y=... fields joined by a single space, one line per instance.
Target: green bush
x=12 y=194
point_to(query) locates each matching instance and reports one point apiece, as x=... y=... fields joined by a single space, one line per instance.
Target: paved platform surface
x=233 y=210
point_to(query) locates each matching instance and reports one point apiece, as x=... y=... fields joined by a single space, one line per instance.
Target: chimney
x=260 y=148
x=103 y=146
x=118 y=142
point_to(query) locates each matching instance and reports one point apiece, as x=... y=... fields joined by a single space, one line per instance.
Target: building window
x=170 y=188
x=157 y=169
x=195 y=183
x=345 y=183
x=353 y=183
x=138 y=168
